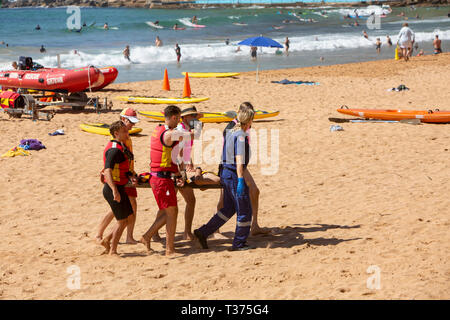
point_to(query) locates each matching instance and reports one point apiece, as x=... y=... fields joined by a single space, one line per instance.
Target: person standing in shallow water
x=178 y=52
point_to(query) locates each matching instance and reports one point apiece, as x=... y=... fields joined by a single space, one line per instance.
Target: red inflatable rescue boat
x=54 y=79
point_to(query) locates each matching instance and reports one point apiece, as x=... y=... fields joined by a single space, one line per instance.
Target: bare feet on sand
x=258 y=230
x=156 y=238
x=146 y=242
x=131 y=241
x=105 y=243
x=188 y=236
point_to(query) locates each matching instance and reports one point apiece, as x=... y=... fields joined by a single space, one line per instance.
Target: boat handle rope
x=89 y=77
x=344 y=107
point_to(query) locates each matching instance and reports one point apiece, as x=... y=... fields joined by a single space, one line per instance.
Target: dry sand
x=375 y=194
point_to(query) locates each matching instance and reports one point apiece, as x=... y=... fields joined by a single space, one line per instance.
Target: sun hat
x=190 y=110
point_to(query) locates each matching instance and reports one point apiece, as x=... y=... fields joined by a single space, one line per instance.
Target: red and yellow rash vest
x=161 y=154
x=120 y=170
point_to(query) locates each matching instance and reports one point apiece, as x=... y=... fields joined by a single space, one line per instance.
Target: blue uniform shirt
x=235 y=143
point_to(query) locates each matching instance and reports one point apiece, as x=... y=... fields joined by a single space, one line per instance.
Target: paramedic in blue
x=236 y=198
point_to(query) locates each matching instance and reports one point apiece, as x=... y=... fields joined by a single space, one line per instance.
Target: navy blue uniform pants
x=232 y=203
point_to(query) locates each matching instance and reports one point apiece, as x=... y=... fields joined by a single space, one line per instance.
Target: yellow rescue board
x=211 y=74
x=153 y=100
x=209 y=117
x=102 y=128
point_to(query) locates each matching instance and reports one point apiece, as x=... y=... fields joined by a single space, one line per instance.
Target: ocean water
x=204 y=49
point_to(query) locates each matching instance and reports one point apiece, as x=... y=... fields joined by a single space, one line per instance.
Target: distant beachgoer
x=227 y=42
x=194 y=19
x=420 y=53
x=42 y=49
x=76 y=52
x=158 y=42
x=38 y=27
x=14 y=65
x=253 y=52
x=238 y=49
x=178 y=52
x=402 y=14
x=417 y=16
x=278 y=51
x=405 y=40
x=105 y=26
x=156 y=23
x=175 y=26
x=437 y=45
x=388 y=41
x=378 y=45
x=316 y=38
x=365 y=34
x=84 y=24
x=322 y=59
x=286 y=45
x=356 y=24
x=126 y=53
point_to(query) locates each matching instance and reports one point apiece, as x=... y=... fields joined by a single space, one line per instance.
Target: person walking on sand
x=286 y=45
x=126 y=53
x=164 y=138
x=255 y=229
x=178 y=52
x=158 y=42
x=236 y=198
x=405 y=40
x=116 y=171
x=129 y=117
x=437 y=45
x=185 y=127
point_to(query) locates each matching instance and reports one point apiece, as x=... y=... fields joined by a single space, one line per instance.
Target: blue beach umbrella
x=260 y=42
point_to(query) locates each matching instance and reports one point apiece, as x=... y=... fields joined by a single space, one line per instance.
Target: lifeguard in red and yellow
x=163 y=168
x=129 y=117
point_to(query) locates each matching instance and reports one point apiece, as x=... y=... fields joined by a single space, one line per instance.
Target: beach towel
x=16 y=151
x=286 y=81
x=31 y=144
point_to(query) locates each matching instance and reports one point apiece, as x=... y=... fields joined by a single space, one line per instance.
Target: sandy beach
x=371 y=197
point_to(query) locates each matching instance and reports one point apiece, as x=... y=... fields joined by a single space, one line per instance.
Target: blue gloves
x=240 y=186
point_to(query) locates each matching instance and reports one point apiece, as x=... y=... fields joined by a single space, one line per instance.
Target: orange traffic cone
x=187 y=87
x=166 y=85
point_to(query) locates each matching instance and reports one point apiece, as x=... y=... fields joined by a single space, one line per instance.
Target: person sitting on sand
x=236 y=198
x=129 y=117
x=437 y=45
x=116 y=159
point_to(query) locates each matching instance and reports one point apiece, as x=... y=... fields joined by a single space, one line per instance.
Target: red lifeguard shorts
x=131 y=191
x=164 y=192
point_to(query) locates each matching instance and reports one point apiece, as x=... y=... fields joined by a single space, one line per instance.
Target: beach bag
x=10 y=99
x=31 y=144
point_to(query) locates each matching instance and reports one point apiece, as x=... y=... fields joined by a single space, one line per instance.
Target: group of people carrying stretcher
x=171 y=142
